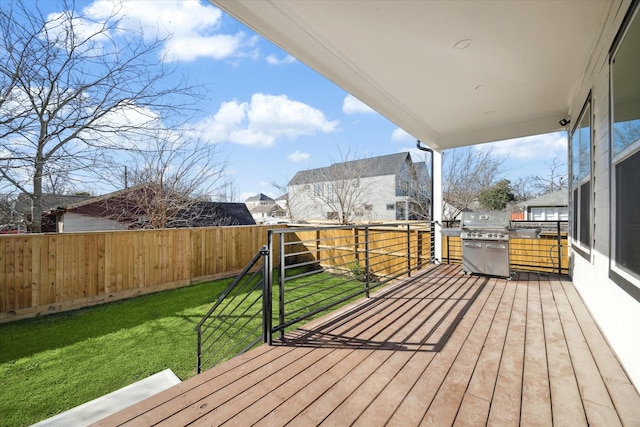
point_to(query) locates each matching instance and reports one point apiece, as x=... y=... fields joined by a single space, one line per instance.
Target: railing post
x=432 y=244
x=367 y=273
x=267 y=275
x=281 y=282
x=408 y=250
x=559 y=237
x=199 y=350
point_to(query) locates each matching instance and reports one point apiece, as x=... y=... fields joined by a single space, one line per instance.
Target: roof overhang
x=450 y=73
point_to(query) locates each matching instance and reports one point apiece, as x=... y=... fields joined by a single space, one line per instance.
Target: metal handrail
x=348 y=265
x=540 y=258
x=316 y=274
x=230 y=325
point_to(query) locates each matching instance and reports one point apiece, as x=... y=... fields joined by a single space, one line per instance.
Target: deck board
x=440 y=348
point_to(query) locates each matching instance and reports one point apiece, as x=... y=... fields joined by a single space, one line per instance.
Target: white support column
x=436 y=199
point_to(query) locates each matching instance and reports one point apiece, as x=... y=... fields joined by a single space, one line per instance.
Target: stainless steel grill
x=485 y=243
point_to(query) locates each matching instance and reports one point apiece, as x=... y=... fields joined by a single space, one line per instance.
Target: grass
x=54 y=363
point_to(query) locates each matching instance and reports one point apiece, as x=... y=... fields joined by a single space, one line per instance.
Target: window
x=625 y=149
x=391 y=206
x=581 y=179
x=549 y=214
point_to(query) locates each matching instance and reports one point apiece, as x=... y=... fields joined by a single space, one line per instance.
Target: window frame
x=625 y=278
x=581 y=232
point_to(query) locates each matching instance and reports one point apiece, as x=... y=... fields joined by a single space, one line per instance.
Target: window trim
x=628 y=282
x=576 y=217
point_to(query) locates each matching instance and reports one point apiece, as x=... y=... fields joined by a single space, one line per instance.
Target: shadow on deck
x=440 y=348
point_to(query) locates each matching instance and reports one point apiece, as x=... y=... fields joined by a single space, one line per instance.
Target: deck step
x=111 y=403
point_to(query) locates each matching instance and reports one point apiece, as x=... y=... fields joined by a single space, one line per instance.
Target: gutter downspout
x=429 y=150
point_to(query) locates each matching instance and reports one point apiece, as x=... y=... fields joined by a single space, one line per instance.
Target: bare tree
x=524 y=189
x=71 y=88
x=172 y=178
x=228 y=192
x=528 y=187
x=291 y=197
x=416 y=185
x=9 y=218
x=466 y=172
x=555 y=180
x=340 y=188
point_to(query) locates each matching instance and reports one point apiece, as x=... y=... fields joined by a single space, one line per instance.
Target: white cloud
x=547 y=146
x=298 y=156
x=193 y=26
x=352 y=105
x=399 y=135
x=263 y=120
x=274 y=60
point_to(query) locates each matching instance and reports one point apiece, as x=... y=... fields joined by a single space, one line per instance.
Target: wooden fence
x=390 y=249
x=47 y=273
x=44 y=273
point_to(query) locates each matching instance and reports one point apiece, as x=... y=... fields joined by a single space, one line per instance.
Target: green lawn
x=54 y=363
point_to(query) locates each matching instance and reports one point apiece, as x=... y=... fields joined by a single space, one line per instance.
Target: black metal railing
x=237 y=320
x=547 y=253
x=321 y=268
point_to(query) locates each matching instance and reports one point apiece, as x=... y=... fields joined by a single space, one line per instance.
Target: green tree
x=497 y=196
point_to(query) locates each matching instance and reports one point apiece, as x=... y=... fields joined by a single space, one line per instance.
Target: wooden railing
x=44 y=273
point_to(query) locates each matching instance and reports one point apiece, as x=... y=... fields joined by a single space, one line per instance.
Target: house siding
x=380 y=191
x=72 y=222
x=616 y=311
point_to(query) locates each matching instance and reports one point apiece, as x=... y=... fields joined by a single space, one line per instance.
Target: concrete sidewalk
x=108 y=404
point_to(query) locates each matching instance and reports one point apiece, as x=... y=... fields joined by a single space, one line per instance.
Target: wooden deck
x=439 y=349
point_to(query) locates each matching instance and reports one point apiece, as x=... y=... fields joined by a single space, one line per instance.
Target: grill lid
x=485 y=220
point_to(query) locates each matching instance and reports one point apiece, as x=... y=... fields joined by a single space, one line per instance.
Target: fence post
x=367 y=272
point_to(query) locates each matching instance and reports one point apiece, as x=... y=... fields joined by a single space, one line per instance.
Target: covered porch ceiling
x=450 y=73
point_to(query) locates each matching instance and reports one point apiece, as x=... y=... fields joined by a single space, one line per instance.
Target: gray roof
x=259 y=198
x=390 y=164
x=559 y=198
x=49 y=202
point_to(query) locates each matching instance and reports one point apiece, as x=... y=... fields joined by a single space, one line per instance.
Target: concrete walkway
x=111 y=403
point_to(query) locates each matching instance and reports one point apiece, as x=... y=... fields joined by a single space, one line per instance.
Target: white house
x=455 y=73
x=379 y=188
x=259 y=200
x=547 y=207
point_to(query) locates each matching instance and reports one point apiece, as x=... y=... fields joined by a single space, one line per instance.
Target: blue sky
x=270 y=114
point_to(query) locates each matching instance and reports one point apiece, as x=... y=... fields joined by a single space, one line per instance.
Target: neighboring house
x=379 y=188
x=268 y=213
x=259 y=200
x=548 y=207
x=49 y=202
x=282 y=201
x=264 y=209
x=117 y=211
